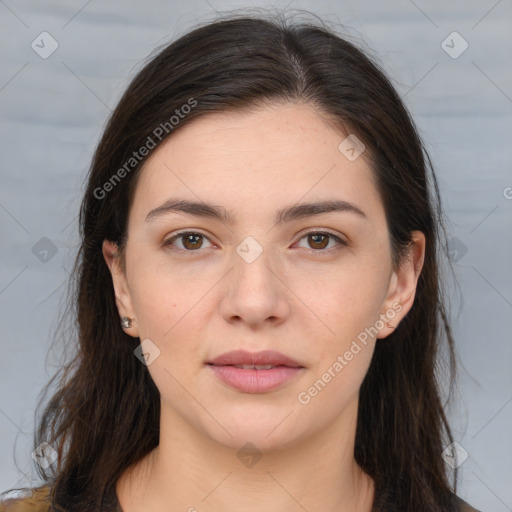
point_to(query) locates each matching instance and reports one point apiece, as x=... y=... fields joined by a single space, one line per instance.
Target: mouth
x=253 y=366
x=255 y=372
x=264 y=360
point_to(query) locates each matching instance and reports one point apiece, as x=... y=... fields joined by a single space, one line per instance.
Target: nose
x=256 y=293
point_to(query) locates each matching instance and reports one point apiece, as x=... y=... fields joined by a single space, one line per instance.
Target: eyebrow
x=288 y=214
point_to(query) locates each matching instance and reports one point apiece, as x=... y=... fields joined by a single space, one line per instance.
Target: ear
x=121 y=290
x=402 y=286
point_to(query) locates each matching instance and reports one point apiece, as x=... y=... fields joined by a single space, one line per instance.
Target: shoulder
x=464 y=507
x=29 y=500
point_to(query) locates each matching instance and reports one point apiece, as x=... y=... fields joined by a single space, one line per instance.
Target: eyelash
x=341 y=242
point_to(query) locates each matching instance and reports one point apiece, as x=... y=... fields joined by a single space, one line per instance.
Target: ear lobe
x=120 y=284
x=403 y=283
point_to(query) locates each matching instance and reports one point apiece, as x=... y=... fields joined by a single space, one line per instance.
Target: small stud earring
x=126 y=322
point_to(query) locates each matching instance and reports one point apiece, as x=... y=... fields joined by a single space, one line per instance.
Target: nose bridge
x=255 y=290
x=253 y=265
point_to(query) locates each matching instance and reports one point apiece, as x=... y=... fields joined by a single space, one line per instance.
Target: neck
x=317 y=473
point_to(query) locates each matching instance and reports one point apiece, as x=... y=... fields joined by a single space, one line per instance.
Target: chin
x=266 y=430
x=247 y=441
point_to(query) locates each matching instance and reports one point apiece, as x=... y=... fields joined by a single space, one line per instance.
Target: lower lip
x=255 y=381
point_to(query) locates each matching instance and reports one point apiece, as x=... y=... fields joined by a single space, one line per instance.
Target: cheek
x=155 y=304
x=348 y=298
x=170 y=308
x=332 y=393
x=350 y=306
x=163 y=297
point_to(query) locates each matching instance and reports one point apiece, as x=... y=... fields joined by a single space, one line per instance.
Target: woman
x=258 y=291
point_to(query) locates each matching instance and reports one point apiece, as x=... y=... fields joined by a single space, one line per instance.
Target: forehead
x=251 y=159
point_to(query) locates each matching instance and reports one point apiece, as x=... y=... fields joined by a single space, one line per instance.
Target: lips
x=242 y=358
x=259 y=372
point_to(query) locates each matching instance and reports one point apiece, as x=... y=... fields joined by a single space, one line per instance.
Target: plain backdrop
x=450 y=61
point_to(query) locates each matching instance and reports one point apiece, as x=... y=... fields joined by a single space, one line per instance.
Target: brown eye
x=190 y=241
x=318 y=241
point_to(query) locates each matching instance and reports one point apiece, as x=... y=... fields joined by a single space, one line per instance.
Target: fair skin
x=306 y=297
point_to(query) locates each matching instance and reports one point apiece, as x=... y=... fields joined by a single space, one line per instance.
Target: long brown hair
x=105 y=413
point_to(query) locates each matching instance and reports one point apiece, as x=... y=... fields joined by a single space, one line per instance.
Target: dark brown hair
x=105 y=413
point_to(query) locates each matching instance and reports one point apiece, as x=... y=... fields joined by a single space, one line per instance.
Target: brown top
x=39 y=501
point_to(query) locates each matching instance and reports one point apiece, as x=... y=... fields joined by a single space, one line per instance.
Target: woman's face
x=318 y=287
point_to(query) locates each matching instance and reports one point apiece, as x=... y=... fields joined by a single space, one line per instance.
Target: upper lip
x=242 y=357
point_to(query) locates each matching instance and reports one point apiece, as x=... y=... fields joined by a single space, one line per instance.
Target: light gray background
x=53 y=111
